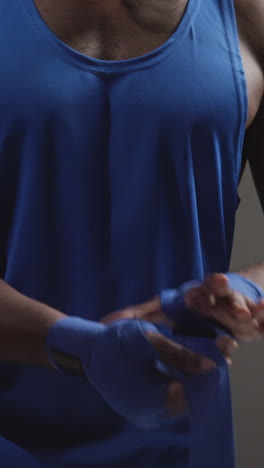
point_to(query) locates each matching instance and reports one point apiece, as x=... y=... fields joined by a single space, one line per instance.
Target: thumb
x=175 y=355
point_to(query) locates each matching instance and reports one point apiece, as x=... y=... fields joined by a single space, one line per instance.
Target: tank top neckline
x=118 y=66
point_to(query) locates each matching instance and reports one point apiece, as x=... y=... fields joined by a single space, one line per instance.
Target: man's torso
x=112 y=173
x=124 y=30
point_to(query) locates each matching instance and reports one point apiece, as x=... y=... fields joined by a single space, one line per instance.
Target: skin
x=123 y=29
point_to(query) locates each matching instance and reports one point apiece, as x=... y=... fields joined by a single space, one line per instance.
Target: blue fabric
x=209 y=396
x=119 y=361
x=117 y=180
x=209 y=401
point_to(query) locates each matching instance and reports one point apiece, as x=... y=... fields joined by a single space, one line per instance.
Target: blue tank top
x=117 y=180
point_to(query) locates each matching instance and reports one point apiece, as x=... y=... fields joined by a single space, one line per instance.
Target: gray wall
x=248 y=366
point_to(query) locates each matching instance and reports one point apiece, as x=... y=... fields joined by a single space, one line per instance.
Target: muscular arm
x=24 y=325
x=254 y=153
x=228 y=304
x=251 y=21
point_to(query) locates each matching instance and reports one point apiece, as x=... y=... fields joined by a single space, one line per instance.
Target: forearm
x=24 y=325
x=254 y=273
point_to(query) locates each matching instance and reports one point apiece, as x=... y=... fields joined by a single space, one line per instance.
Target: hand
x=152 y=312
x=121 y=360
x=182 y=359
x=170 y=353
x=215 y=300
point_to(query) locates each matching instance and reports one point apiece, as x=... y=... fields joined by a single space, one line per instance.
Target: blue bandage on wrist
x=117 y=360
x=245 y=286
x=68 y=340
x=172 y=300
x=188 y=322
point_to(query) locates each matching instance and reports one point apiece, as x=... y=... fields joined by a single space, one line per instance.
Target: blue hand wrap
x=245 y=286
x=118 y=360
x=209 y=396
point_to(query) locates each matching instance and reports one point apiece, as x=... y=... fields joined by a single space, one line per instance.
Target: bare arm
x=254 y=273
x=24 y=325
x=251 y=13
x=253 y=152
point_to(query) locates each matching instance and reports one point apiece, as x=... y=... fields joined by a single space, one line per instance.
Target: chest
x=71 y=132
x=131 y=30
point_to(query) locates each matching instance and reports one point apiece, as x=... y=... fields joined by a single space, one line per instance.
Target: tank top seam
x=231 y=32
x=158 y=56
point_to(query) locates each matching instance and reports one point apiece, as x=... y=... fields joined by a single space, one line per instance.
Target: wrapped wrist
x=69 y=341
x=245 y=286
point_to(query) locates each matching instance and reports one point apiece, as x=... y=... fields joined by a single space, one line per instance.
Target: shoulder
x=251 y=13
x=250 y=18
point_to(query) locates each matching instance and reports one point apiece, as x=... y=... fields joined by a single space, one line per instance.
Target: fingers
x=179 y=357
x=218 y=284
x=118 y=315
x=176 y=400
x=215 y=286
x=227 y=346
x=242 y=330
x=258 y=314
x=150 y=311
x=214 y=295
x=216 y=300
x=200 y=298
x=239 y=305
x=258 y=311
